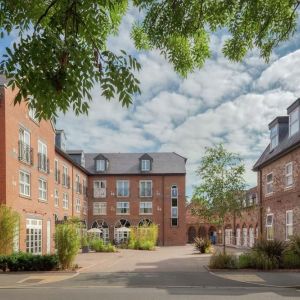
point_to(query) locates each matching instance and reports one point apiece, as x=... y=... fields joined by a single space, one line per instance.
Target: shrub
x=28 y=262
x=9 y=221
x=245 y=261
x=203 y=245
x=294 y=245
x=67 y=244
x=291 y=260
x=99 y=246
x=84 y=241
x=223 y=261
x=268 y=255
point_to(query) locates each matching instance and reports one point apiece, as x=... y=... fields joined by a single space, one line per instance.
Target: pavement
x=168 y=272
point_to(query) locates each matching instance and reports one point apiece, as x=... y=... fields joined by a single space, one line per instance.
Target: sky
x=224 y=102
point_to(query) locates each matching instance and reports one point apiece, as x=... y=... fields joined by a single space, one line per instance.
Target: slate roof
x=128 y=163
x=286 y=145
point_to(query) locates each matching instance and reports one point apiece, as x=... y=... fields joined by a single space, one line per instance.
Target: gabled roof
x=146 y=156
x=129 y=163
x=100 y=156
x=286 y=145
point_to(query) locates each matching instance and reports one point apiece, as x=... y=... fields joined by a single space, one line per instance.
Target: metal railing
x=25 y=153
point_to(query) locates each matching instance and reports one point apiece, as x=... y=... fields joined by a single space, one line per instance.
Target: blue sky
x=223 y=102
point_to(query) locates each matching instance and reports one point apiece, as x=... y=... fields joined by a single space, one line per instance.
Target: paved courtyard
x=164 y=259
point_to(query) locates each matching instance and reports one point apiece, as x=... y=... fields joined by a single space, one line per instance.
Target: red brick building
x=240 y=230
x=278 y=176
x=45 y=183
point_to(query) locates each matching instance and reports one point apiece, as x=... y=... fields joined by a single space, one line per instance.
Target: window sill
x=66 y=208
x=269 y=194
x=122 y=214
x=290 y=187
x=145 y=196
x=120 y=197
x=25 y=196
x=146 y=214
x=43 y=200
x=99 y=214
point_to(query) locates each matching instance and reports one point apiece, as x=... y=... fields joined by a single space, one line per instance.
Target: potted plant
x=84 y=244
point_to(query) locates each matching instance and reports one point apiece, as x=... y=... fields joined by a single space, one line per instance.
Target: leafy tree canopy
x=62 y=48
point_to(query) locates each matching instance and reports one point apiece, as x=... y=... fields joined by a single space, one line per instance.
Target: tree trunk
x=224 y=245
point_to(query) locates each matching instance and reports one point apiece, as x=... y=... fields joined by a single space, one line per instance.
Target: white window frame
x=99 y=208
x=100 y=165
x=288 y=225
x=77 y=183
x=270 y=183
x=34 y=236
x=43 y=150
x=289 y=176
x=24 y=186
x=65 y=201
x=99 y=188
x=121 y=190
x=65 y=176
x=274 y=136
x=24 y=136
x=122 y=205
x=43 y=189
x=270 y=226
x=56 y=168
x=295 y=122
x=144 y=206
x=146 y=165
x=78 y=205
x=151 y=187
x=31 y=114
x=56 y=198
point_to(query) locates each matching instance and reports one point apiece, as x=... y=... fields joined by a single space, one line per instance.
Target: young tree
x=219 y=194
x=62 y=48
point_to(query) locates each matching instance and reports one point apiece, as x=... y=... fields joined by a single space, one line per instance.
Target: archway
x=202 y=232
x=122 y=231
x=228 y=235
x=238 y=235
x=212 y=232
x=245 y=236
x=101 y=224
x=191 y=234
x=145 y=223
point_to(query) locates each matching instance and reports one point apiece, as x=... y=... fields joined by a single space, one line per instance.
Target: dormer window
x=294 y=121
x=146 y=165
x=274 y=137
x=100 y=165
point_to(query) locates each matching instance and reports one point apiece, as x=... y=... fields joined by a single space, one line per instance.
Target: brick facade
x=78 y=188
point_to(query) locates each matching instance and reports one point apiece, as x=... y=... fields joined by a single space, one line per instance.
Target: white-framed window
x=78 y=205
x=42 y=156
x=24 y=183
x=145 y=188
x=122 y=208
x=24 y=146
x=270 y=226
x=56 y=171
x=274 y=136
x=77 y=183
x=34 y=236
x=85 y=207
x=174 y=191
x=145 y=208
x=65 y=176
x=289 y=174
x=174 y=212
x=65 y=202
x=269 y=185
x=56 y=198
x=99 y=208
x=99 y=188
x=100 y=165
x=294 y=121
x=289 y=224
x=122 y=188
x=32 y=114
x=42 y=189
x=146 y=165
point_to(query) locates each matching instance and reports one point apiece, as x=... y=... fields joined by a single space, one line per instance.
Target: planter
x=85 y=249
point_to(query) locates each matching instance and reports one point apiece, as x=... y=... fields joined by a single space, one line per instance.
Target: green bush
x=291 y=260
x=67 y=243
x=202 y=245
x=294 y=245
x=143 y=238
x=28 y=262
x=245 y=261
x=9 y=221
x=223 y=261
x=99 y=246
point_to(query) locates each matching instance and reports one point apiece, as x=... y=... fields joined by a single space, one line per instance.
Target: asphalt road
x=175 y=285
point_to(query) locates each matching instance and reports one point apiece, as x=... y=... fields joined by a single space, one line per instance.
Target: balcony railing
x=57 y=176
x=66 y=180
x=78 y=187
x=25 y=153
x=43 y=163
